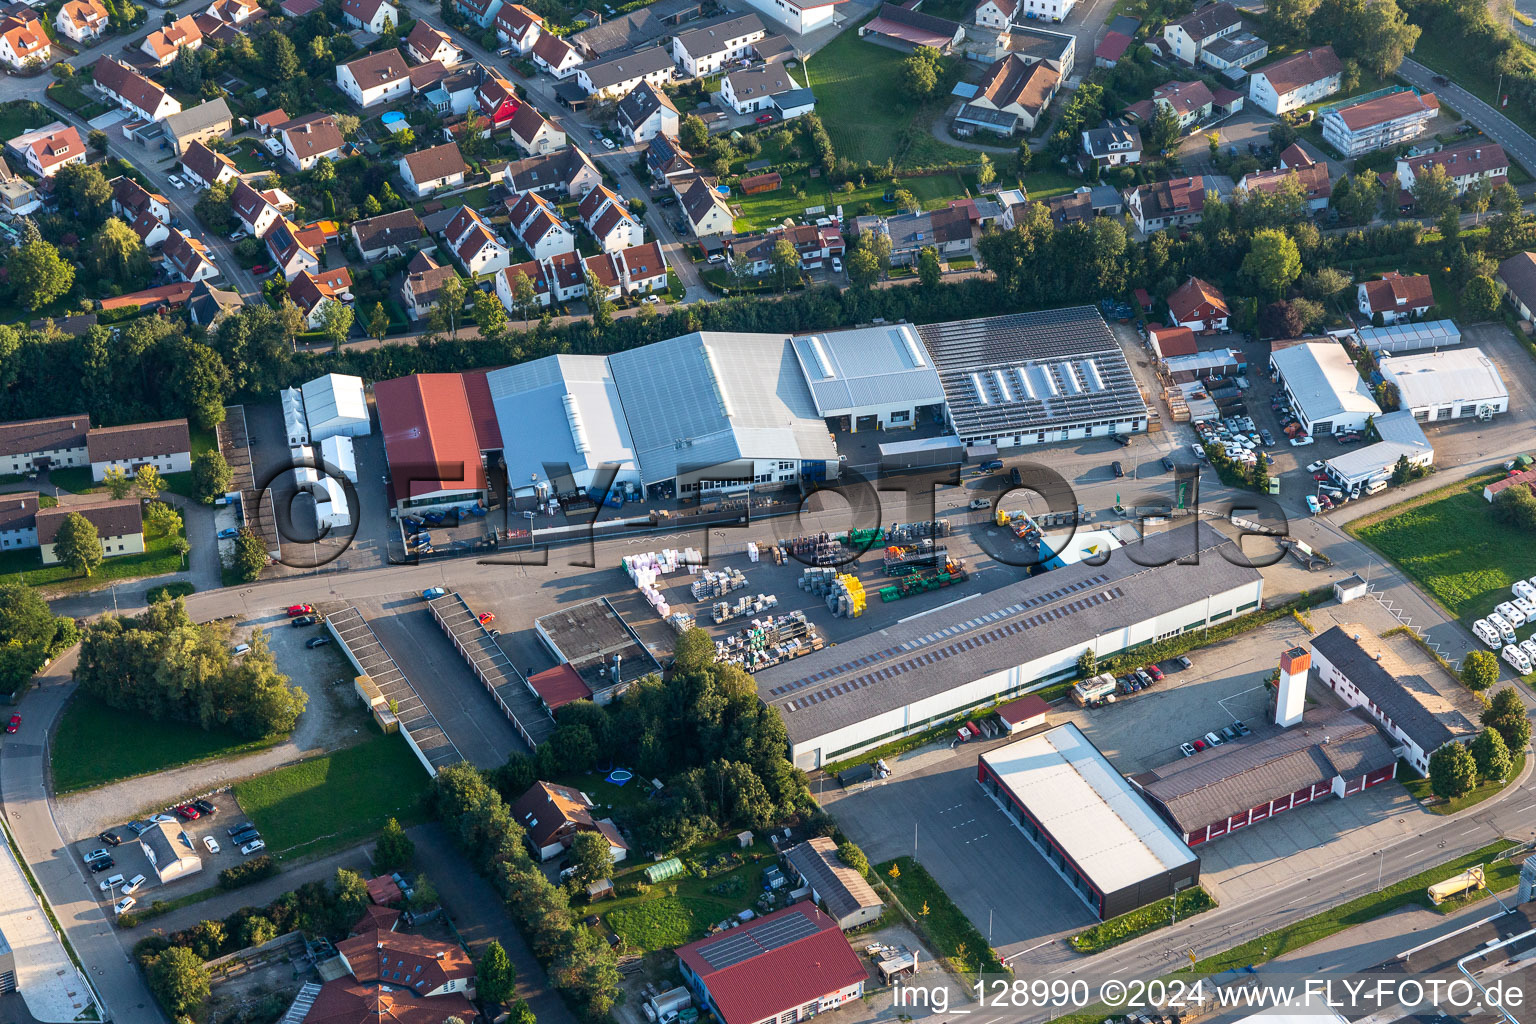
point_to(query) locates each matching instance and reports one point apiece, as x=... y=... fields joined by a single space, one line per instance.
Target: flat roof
x=1032 y=371
x=588 y=635
x=1448 y=377
x=1092 y=813
x=562 y=408
x=1324 y=380
x=878 y=672
x=867 y=367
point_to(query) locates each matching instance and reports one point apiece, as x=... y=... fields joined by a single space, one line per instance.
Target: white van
x=1517 y=660
x=134 y=885
x=110 y=882
x=1487 y=634
x=1510 y=614
x=1527 y=607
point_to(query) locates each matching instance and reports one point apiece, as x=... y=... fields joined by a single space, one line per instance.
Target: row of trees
x=164 y=665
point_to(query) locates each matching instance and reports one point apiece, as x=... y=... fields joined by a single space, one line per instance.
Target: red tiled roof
x=1026 y=707
x=345 y=1001
x=1193 y=294
x=1306 y=67
x=1396 y=293
x=775 y=980
x=1113 y=46
x=1382 y=109
x=562 y=684
x=404 y=960
x=1173 y=341
x=170 y=295
x=429 y=432
x=1487 y=158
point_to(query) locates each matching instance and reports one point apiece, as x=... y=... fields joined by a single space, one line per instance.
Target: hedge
x=253 y=870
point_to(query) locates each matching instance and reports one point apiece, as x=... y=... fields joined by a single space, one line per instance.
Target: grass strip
x=948 y=932
x=1139 y=922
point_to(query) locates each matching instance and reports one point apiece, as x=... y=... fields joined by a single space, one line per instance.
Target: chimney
x=1291 y=699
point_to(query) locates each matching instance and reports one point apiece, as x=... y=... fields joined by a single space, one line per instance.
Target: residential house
x=552 y=815
x=1363 y=127
x=705 y=208
x=204 y=168
x=1463 y=165
x=161 y=44
x=496 y=101
x=947 y=231
x=995 y=13
x=638 y=270
x=396 y=977
x=132 y=91
x=555 y=55
x=1188 y=37
x=1178 y=202
x=1110 y=49
x=22 y=36
x=481 y=12
x=258 y=211
x=536 y=224
x=815 y=244
x=607 y=218
x=905 y=28
x=1517 y=280
x=1199 y=306
x=518 y=27
x=233 y=12
x=427 y=43
x=850 y=899
x=1168 y=342
x=313 y=292
x=16 y=193
x=18 y=520
x=431 y=170
x=613 y=77
x=209 y=304
x=84 y=21
x=308 y=139
x=1014 y=87
x=475 y=245
x=1297 y=81
x=165 y=444
x=770 y=89
x=28 y=446
x=377 y=78
x=299 y=8
x=119 y=524
x=293 y=249
x=803 y=16
x=1191 y=102
x=646 y=113
x=567 y=173
x=708 y=47
x=506 y=287
x=131 y=201
x=266 y=124
x=1032 y=45
x=1395 y=297
x=1081 y=205
x=1112 y=145
x=1231 y=54
x=667 y=160
x=370 y=15
x=423 y=279
x=203 y=123
x=387 y=235
x=533 y=134
x=454 y=91
x=48 y=149
x=1310 y=176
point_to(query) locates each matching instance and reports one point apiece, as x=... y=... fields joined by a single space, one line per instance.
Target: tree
x=348 y=124
x=1163 y=131
x=1479 y=670
x=279 y=56
x=161 y=520
x=907 y=201
x=1279 y=320
x=598 y=303
x=1452 y=772
x=200 y=381
x=118 y=255
x=445 y=312
x=1024 y=157
x=786 y=261
x=854 y=857
x=863 y=268
x=1506 y=713
x=336 y=322
x=148 y=483
x=1491 y=755
x=187 y=70
x=83 y=191
x=423 y=897
x=378 y=322
x=371 y=206
x=695 y=651
x=63 y=71
x=1291 y=17
x=521 y=1013
x=1360 y=201
x=211 y=476
x=693 y=133
x=250 y=555
x=1433 y=191
x=1477 y=198
x=1480 y=298
x=394 y=849
x=39 y=274
x=986 y=174
x=213 y=208
x=1087 y=664
x=495 y=976
x=97 y=139
x=116 y=481
x=1272 y=263
x=1282 y=135
x=323 y=172
x=525 y=297
x=257 y=931
x=179 y=980
x=928 y=270
x=488 y=314
x=592 y=857
x=920 y=72
x=77 y=544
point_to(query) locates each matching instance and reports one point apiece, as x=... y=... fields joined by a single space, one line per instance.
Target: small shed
x=769 y=182
x=601 y=889
x=663 y=870
x=1027 y=712
x=1349 y=588
x=384 y=890
x=744 y=839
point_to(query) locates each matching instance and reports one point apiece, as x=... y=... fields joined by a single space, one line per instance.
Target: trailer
x=1299 y=550
x=1469 y=880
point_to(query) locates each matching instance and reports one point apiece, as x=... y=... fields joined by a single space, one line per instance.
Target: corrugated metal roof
x=866 y=367
x=1324 y=381
x=1450 y=377
x=429 y=434
x=530 y=401
x=1091 y=812
x=334 y=399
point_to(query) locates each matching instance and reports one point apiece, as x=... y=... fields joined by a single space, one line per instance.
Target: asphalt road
x=1517 y=142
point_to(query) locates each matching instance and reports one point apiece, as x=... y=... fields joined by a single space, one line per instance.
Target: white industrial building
x=567 y=418
x=336 y=404
x=337 y=453
x=1358 y=469
x=169 y=851
x=1450 y=385
x=1412 y=336
x=882 y=686
x=872 y=378
x=1034 y=378
x=295 y=424
x=1325 y=389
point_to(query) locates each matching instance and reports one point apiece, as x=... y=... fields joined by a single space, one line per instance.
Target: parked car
x=103 y=864
x=252 y=846
x=764 y=119
x=134 y=885
x=1200 y=744
x=228 y=533
x=486 y=618
x=299 y=609
x=211 y=843
x=188 y=812
x=95 y=855
x=239 y=234
x=239 y=649
x=432 y=592
x=110 y=882
x=1212 y=740
x=124 y=905
x=1167 y=463
x=837 y=264
x=14 y=724
x=1187 y=749
x=1242 y=730
x=1116 y=467
x=303 y=620
x=317 y=641
x=1313 y=505
x=234 y=830
x=1184 y=661
x=176 y=182
x=992 y=466
x=1317 y=467
x=1228 y=733
x=978 y=504
x=1300 y=442
x=110 y=838
x=608 y=143
x=1198 y=450
x=206 y=806
x=1153 y=671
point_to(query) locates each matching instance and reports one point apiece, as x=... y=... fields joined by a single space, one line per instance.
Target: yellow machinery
x=1470 y=879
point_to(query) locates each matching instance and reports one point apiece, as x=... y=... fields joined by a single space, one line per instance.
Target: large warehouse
x=1087 y=821
x=1331 y=753
x=881 y=686
x=1453 y=384
x=1035 y=378
x=436 y=432
x=874 y=378
x=1325 y=390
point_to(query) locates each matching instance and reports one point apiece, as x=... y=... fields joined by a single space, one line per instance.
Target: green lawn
x=1420 y=788
x=859 y=99
x=72 y=97
x=336 y=800
x=74 y=479
x=93 y=747
x=26 y=567
x=765 y=209
x=681 y=909
x=950 y=933
x=1449 y=542
x=77 y=479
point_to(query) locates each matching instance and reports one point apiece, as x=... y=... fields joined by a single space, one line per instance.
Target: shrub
x=253 y=870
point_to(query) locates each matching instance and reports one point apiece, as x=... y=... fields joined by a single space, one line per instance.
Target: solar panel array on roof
x=1062 y=365
x=745 y=943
